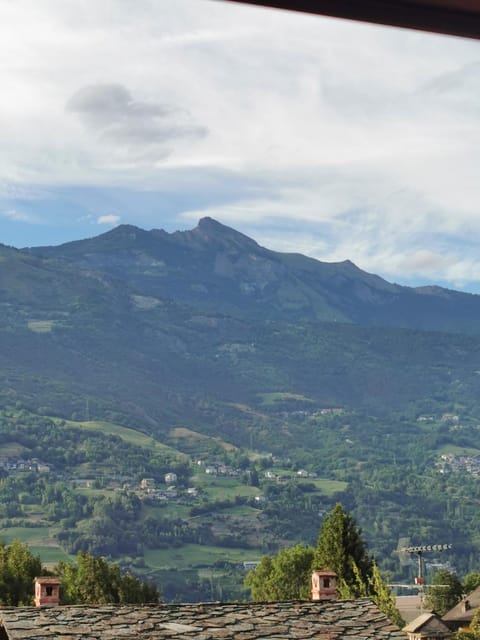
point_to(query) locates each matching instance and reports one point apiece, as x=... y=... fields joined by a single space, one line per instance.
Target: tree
x=18 y=568
x=384 y=598
x=471 y=582
x=286 y=576
x=444 y=593
x=94 y=580
x=341 y=548
x=259 y=580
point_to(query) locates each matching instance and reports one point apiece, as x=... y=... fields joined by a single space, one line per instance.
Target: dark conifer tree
x=341 y=548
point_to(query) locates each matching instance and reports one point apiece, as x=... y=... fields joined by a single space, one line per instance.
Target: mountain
x=204 y=344
x=217 y=269
x=155 y=328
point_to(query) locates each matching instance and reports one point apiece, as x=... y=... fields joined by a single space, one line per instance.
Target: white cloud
x=108 y=219
x=364 y=140
x=17 y=216
x=138 y=128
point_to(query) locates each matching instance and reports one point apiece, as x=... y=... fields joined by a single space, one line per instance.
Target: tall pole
x=419 y=551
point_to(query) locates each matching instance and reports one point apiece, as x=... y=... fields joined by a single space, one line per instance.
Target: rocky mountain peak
x=215 y=235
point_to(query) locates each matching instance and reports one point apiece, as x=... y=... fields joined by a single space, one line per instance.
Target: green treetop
x=93 y=580
x=471 y=581
x=18 y=568
x=444 y=592
x=283 y=577
x=341 y=548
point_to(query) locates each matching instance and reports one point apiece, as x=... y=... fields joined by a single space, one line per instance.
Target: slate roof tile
x=325 y=620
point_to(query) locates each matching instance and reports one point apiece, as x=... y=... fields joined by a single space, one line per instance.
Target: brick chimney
x=324 y=584
x=47 y=592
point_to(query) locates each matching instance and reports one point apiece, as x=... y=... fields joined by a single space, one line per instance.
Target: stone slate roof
x=430 y=625
x=324 y=620
x=463 y=612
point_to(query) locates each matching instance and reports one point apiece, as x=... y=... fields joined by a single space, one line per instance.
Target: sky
x=334 y=139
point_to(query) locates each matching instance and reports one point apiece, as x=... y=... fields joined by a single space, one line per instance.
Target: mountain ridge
x=151 y=323
x=320 y=366
x=223 y=270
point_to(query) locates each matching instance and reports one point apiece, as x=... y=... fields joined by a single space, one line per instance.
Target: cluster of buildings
x=449 y=418
x=452 y=463
x=219 y=469
x=301 y=473
x=149 y=488
x=16 y=465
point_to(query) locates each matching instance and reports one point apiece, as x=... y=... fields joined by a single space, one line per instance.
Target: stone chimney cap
x=325 y=572
x=47 y=580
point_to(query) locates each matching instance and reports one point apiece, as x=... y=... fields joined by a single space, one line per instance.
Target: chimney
x=324 y=584
x=465 y=606
x=47 y=592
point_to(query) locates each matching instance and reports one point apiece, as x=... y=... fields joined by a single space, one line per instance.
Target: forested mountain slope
x=160 y=326
x=220 y=349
